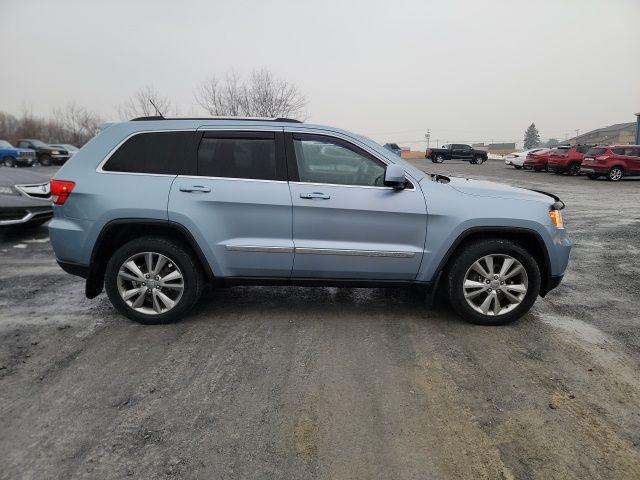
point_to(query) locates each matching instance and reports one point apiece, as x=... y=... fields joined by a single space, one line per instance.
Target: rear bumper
x=594 y=169
x=14 y=216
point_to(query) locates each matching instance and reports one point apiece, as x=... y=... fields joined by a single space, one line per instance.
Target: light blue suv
x=153 y=208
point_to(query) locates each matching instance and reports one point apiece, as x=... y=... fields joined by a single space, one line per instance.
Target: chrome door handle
x=315 y=196
x=195 y=189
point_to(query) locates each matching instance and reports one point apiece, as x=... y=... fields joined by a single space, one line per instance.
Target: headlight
x=556 y=218
x=6 y=191
x=55 y=152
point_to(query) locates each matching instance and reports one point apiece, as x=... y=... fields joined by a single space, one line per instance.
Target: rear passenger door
x=238 y=204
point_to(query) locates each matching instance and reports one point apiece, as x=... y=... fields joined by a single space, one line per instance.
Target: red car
x=537 y=161
x=614 y=162
x=567 y=159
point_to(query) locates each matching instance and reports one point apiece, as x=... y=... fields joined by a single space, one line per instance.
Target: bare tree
x=267 y=96
x=140 y=105
x=262 y=95
x=76 y=124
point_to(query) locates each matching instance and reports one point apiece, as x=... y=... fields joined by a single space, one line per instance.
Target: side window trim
x=103 y=162
x=292 y=165
x=276 y=135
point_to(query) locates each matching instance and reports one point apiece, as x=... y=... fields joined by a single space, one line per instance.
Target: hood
x=21 y=176
x=482 y=188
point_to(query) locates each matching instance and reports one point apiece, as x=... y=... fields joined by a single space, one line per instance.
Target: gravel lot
x=332 y=383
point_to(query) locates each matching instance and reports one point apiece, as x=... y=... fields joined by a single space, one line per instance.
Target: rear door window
x=154 y=153
x=632 y=152
x=618 y=151
x=247 y=155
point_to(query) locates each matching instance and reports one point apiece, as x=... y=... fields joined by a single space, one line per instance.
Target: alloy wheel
x=615 y=174
x=495 y=284
x=150 y=283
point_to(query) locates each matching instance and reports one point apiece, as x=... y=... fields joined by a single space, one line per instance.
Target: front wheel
x=45 y=160
x=615 y=174
x=493 y=282
x=478 y=160
x=9 y=162
x=153 y=280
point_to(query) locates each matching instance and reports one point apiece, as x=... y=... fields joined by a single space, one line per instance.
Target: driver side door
x=346 y=223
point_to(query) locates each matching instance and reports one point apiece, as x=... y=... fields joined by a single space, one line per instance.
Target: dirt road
x=332 y=383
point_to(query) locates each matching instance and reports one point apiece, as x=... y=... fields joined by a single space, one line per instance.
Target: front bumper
x=26 y=161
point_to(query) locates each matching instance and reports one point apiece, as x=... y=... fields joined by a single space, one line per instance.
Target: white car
x=517 y=158
x=68 y=147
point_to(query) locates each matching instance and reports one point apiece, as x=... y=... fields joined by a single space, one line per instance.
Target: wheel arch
x=527 y=238
x=116 y=233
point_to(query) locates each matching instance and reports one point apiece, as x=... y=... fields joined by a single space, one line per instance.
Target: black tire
x=615 y=174
x=439 y=159
x=472 y=252
x=472 y=162
x=518 y=167
x=479 y=160
x=45 y=160
x=593 y=176
x=177 y=253
x=9 y=161
x=574 y=169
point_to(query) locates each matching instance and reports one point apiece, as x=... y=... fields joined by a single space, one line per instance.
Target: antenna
x=157 y=111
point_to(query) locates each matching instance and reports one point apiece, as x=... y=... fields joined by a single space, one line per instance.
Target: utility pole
x=427 y=137
x=577 y=132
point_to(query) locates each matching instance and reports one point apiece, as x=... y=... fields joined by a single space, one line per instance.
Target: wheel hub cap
x=150 y=283
x=495 y=284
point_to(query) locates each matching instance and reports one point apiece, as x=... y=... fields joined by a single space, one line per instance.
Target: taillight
x=60 y=190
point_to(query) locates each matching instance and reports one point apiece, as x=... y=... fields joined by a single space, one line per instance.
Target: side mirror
x=394 y=177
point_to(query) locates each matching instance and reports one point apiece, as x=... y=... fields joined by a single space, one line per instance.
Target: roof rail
x=152 y=118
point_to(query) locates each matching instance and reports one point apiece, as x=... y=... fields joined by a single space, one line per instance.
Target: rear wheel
x=615 y=174
x=153 y=280
x=493 y=282
x=45 y=160
x=439 y=158
x=574 y=169
x=479 y=160
x=9 y=162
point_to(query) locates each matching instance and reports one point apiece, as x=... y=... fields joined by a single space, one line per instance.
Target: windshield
x=39 y=144
x=5 y=144
x=70 y=147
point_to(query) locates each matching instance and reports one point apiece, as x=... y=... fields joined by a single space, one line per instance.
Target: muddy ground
x=331 y=383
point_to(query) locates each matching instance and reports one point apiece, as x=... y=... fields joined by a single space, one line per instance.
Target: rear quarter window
x=618 y=151
x=154 y=153
x=596 y=151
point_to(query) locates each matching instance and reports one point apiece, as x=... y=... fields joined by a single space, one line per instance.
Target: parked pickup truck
x=46 y=154
x=456 y=151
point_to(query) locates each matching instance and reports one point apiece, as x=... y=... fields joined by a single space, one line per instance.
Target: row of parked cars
x=30 y=151
x=613 y=162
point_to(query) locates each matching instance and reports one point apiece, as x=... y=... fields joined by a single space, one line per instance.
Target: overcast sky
x=468 y=70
